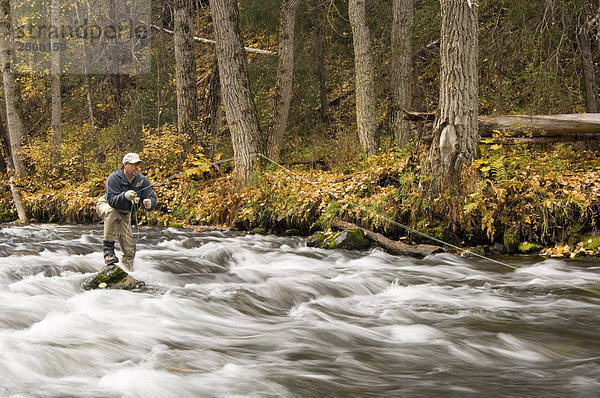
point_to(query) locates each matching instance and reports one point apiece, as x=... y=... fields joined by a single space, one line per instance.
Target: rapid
x=230 y=315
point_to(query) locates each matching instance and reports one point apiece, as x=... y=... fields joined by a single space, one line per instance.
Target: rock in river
x=112 y=277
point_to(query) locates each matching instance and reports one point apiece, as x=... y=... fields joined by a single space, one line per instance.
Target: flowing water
x=228 y=315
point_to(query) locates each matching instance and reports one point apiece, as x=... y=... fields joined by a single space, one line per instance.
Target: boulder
x=349 y=239
x=112 y=277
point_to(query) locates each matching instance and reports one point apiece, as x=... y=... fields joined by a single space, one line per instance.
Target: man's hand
x=129 y=195
x=147 y=203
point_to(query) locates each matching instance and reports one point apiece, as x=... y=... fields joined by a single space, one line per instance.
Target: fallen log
x=577 y=124
x=542 y=140
x=390 y=245
x=542 y=125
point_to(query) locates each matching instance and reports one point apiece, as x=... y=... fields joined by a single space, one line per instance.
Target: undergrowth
x=544 y=195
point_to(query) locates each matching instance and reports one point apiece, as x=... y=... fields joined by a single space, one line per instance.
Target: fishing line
x=161 y=182
x=422 y=234
x=595 y=292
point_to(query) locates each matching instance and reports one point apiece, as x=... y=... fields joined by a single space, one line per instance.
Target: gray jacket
x=117 y=185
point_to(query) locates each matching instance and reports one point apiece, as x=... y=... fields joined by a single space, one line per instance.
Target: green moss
x=511 y=242
x=528 y=247
x=258 y=231
x=591 y=242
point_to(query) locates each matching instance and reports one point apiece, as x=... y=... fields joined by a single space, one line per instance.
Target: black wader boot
x=109 y=252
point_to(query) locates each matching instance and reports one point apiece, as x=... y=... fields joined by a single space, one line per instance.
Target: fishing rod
x=595 y=292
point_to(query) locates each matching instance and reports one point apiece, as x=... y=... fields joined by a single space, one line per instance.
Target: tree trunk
x=55 y=81
x=185 y=69
x=541 y=125
x=392 y=246
x=455 y=131
x=320 y=70
x=16 y=130
x=366 y=116
x=240 y=109
x=10 y=171
x=212 y=110
x=589 y=73
x=402 y=69
x=285 y=69
x=114 y=68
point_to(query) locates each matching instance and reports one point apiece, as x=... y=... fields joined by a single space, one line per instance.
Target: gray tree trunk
x=456 y=131
x=213 y=113
x=185 y=69
x=16 y=129
x=10 y=171
x=589 y=73
x=285 y=69
x=320 y=60
x=55 y=81
x=366 y=116
x=402 y=69
x=240 y=109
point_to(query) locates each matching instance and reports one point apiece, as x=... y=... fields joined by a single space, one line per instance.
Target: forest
x=282 y=116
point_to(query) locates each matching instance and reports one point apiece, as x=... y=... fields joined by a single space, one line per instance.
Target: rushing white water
x=227 y=315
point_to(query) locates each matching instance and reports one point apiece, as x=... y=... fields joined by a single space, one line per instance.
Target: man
x=124 y=189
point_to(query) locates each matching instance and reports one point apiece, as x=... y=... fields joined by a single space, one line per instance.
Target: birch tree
x=285 y=69
x=240 y=109
x=455 y=130
x=16 y=129
x=366 y=116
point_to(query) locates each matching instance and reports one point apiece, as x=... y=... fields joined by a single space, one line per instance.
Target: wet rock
x=497 y=248
x=316 y=239
x=350 y=239
x=112 y=277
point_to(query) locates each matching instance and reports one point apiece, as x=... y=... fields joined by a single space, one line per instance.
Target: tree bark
x=185 y=69
x=456 y=136
x=392 y=246
x=55 y=81
x=320 y=71
x=541 y=125
x=402 y=69
x=10 y=170
x=114 y=68
x=366 y=116
x=212 y=110
x=589 y=73
x=240 y=109
x=16 y=129
x=285 y=69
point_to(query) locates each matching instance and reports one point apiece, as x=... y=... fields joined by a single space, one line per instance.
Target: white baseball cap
x=131 y=158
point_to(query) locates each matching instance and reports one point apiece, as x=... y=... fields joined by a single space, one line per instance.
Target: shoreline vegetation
x=519 y=199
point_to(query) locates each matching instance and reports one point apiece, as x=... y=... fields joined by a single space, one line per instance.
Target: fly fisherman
x=124 y=190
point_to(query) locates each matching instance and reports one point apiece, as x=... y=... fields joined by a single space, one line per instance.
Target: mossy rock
x=316 y=239
x=529 y=248
x=112 y=277
x=258 y=231
x=350 y=239
x=511 y=242
x=591 y=242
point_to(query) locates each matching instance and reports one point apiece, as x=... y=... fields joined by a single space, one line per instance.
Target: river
x=229 y=315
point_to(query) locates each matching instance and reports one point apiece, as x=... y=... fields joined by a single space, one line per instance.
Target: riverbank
x=520 y=200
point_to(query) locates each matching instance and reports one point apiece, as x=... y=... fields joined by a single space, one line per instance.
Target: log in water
x=226 y=315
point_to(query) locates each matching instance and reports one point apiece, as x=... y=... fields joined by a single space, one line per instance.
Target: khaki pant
x=117 y=226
